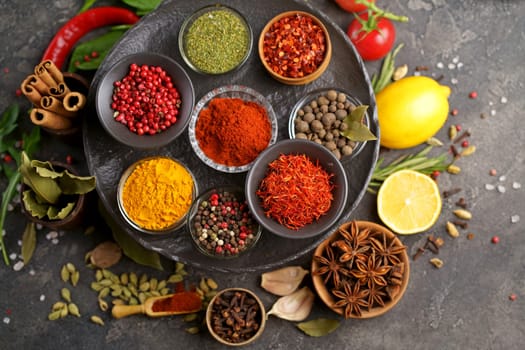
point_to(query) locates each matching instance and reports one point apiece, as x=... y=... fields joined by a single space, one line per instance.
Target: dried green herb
x=319 y=327
x=357 y=131
x=418 y=162
x=379 y=82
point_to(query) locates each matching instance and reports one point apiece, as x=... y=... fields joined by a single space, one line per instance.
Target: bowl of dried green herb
x=297 y=189
x=361 y=270
x=215 y=39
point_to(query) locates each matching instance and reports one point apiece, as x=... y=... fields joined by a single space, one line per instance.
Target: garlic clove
x=294 y=307
x=283 y=281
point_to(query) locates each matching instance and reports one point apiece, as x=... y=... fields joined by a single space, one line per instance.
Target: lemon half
x=409 y=202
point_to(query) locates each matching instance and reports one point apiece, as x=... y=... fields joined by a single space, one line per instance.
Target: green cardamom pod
x=74 y=278
x=64 y=274
x=66 y=294
x=73 y=309
x=55 y=315
x=97 y=320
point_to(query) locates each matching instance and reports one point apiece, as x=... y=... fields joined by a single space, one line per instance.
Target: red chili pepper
x=68 y=35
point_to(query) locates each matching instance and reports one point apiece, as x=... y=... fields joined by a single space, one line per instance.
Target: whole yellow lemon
x=411 y=110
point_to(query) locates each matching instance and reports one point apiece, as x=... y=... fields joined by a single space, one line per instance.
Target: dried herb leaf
x=73 y=184
x=294 y=307
x=44 y=187
x=357 y=131
x=130 y=247
x=283 y=281
x=319 y=327
x=28 y=242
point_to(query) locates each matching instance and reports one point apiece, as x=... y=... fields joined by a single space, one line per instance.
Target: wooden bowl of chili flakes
x=295 y=47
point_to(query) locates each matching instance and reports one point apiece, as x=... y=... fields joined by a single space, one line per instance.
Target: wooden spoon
x=120 y=311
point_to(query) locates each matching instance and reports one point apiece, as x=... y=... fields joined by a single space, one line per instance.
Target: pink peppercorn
x=454 y=112
x=464 y=143
x=495 y=240
x=473 y=95
x=513 y=297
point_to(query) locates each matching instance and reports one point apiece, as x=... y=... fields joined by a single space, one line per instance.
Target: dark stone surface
x=464 y=305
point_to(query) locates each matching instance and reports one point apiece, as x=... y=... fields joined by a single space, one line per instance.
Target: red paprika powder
x=233 y=132
x=178 y=302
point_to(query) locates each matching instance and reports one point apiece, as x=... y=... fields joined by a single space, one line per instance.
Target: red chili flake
x=473 y=95
x=464 y=144
x=513 y=297
x=454 y=112
x=294 y=46
x=18 y=92
x=495 y=240
x=295 y=191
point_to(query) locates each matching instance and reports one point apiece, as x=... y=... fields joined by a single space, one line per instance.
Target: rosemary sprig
x=418 y=162
x=379 y=82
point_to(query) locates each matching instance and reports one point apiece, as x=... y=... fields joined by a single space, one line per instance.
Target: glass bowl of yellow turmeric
x=155 y=194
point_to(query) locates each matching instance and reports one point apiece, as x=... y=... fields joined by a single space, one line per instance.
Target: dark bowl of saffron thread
x=230 y=126
x=297 y=189
x=145 y=100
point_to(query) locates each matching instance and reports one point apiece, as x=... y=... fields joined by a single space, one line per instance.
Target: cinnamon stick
x=48 y=69
x=31 y=91
x=59 y=91
x=53 y=104
x=74 y=101
x=49 y=119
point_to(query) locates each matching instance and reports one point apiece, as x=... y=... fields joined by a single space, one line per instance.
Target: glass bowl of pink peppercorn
x=220 y=223
x=145 y=100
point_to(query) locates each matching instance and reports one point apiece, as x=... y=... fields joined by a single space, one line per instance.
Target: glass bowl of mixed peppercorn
x=295 y=47
x=297 y=189
x=221 y=224
x=145 y=100
x=215 y=39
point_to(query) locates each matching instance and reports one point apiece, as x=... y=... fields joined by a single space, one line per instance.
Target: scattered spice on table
x=146 y=100
x=295 y=46
x=295 y=191
x=157 y=193
x=217 y=41
x=178 y=302
x=223 y=224
x=232 y=131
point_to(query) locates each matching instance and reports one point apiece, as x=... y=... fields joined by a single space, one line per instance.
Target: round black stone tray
x=158 y=32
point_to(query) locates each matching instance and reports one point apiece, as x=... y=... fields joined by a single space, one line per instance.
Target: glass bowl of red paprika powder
x=297 y=189
x=230 y=126
x=295 y=47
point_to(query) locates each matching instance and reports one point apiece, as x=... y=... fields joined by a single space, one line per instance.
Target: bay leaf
x=55 y=213
x=74 y=184
x=33 y=206
x=129 y=246
x=28 y=242
x=45 y=187
x=319 y=327
x=358 y=132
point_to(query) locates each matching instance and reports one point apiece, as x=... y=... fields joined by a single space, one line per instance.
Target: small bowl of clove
x=235 y=316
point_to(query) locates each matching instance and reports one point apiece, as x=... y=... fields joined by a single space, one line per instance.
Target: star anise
x=376 y=296
x=351 y=298
x=387 y=252
x=354 y=244
x=371 y=272
x=330 y=267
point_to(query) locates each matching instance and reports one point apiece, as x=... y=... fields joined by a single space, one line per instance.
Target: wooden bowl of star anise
x=361 y=270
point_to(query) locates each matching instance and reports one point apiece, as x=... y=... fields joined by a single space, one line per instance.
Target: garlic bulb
x=294 y=307
x=283 y=281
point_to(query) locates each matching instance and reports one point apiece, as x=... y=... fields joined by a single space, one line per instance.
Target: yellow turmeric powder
x=157 y=193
